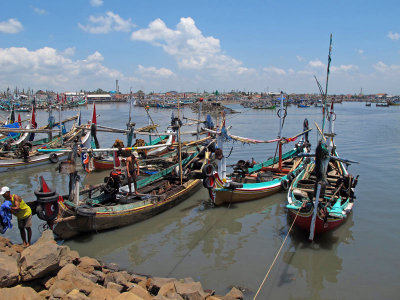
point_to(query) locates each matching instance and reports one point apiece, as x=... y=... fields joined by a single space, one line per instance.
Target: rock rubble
x=46 y=270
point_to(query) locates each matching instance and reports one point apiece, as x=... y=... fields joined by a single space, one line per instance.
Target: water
x=235 y=246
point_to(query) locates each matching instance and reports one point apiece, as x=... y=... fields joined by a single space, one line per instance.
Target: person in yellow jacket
x=23 y=213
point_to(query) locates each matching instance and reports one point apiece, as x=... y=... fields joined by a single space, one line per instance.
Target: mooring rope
x=276 y=256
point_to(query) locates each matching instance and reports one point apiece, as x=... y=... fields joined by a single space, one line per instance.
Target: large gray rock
x=8 y=270
x=42 y=258
x=118 y=278
x=19 y=293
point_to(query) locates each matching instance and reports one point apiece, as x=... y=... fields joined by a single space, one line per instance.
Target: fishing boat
x=251 y=181
x=382 y=104
x=326 y=205
x=108 y=206
x=36 y=154
x=368 y=104
x=322 y=196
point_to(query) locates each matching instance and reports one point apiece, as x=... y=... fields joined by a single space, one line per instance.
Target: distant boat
x=382 y=104
x=367 y=103
x=303 y=105
x=265 y=107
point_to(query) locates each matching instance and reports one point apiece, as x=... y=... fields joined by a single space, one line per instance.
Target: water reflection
x=316 y=263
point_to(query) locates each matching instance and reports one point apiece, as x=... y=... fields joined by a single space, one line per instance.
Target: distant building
x=99 y=98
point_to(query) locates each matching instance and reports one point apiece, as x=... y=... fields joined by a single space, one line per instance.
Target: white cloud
x=46 y=68
x=393 y=36
x=274 y=70
x=360 y=51
x=96 y=3
x=39 y=11
x=344 y=68
x=106 y=24
x=95 y=57
x=69 y=51
x=11 y=26
x=316 y=64
x=191 y=49
x=300 y=58
x=154 y=72
x=384 y=68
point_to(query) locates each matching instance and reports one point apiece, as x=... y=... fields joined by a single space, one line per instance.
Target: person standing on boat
x=23 y=213
x=132 y=170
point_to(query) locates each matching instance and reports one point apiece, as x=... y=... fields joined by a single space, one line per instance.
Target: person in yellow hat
x=23 y=213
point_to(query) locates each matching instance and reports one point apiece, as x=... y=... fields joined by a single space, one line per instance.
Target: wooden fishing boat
x=113 y=208
x=258 y=181
x=36 y=154
x=334 y=204
x=322 y=196
x=255 y=181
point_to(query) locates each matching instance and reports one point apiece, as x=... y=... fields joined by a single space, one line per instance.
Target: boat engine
x=112 y=184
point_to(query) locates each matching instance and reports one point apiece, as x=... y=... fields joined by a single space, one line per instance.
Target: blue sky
x=69 y=45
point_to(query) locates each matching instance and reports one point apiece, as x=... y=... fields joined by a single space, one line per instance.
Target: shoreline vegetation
x=46 y=270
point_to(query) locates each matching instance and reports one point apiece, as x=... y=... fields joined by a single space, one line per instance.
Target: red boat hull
x=303 y=221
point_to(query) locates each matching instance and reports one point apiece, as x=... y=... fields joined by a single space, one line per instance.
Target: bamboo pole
x=179 y=145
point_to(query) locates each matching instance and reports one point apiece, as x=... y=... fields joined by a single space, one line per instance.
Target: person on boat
x=132 y=170
x=23 y=213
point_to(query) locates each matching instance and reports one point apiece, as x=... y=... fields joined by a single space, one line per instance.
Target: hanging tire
x=208 y=170
x=47 y=211
x=49 y=199
x=209 y=182
x=40 y=194
x=285 y=184
x=53 y=158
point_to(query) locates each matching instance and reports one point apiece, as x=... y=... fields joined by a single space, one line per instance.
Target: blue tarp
x=13 y=125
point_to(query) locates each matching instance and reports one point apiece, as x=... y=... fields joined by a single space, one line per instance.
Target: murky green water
x=236 y=245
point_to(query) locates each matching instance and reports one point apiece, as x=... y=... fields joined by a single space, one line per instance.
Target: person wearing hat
x=23 y=213
x=132 y=171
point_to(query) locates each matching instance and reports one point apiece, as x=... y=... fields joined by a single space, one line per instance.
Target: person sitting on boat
x=23 y=213
x=132 y=171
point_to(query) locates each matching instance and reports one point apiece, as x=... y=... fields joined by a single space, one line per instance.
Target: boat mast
x=59 y=117
x=325 y=107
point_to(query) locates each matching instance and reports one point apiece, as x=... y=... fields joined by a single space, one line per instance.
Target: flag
x=94 y=121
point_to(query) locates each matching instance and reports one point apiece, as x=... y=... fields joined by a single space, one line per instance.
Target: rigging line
x=276 y=256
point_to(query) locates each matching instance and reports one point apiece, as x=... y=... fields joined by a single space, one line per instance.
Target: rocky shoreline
x=46 y=270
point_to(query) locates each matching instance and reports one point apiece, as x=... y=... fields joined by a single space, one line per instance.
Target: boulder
x=42 y=258
x=69 y=278
x=9 y=272
x=18 y=292
x=194 y=296
x=139 y=291
x=128 y=296
x=116 y=277
x=49 y=282
x=155 y=283
x=100 y=293
x=167 y=289
x=100 y=276
x=214 y=298
x=235 y=294
x=58 y=293
x=137 y=278
x=115 y=286
x=4 y=243
x=75 y=295
x=88 y=265
x=44 y=294
x=190 y=289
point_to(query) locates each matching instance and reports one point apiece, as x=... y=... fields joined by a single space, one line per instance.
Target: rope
x=276 y=256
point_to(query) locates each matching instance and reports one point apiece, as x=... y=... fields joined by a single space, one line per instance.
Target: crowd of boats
x=320 y=191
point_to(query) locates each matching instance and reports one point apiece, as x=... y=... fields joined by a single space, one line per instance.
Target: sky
x=185 y=45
